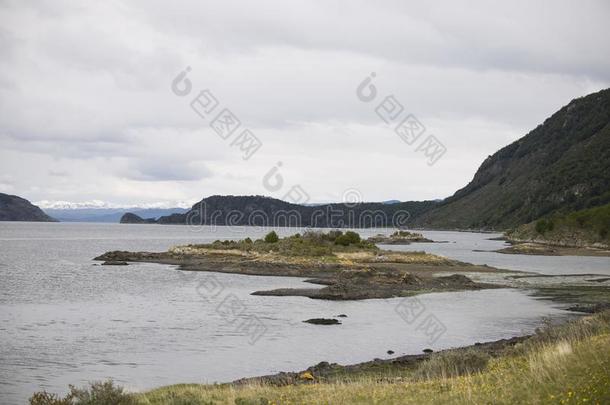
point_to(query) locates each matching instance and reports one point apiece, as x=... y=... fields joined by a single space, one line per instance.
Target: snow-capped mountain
x=103 y=211
x=99 y=204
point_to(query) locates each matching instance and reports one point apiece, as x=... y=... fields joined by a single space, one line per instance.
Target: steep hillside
x=13 y=208
x=563 y=165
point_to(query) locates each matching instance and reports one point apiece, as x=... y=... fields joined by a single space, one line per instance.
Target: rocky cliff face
x=14 y=208
x=561 y=166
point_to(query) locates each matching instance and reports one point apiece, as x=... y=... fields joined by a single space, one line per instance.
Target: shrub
x=271 y=237
x=342 y=240
x=98 y=393
x=352 y=237
x=248 y=240
x=541 y=226
x=348 y=238
x=45 y=398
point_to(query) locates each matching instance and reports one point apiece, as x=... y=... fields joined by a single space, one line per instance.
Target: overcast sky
x=87 y=109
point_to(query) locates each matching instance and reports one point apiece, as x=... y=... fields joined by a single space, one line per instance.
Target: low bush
x=272 y=237
x=348 y=238
x=98 y=393
x=543 y=225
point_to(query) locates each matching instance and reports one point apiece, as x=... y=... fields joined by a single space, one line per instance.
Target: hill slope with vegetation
x=563 y=165
x=589 y=227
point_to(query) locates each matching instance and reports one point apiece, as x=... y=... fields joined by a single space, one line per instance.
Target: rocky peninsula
x=349 y=268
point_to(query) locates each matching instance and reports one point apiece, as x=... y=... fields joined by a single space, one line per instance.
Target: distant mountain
x=259 y=210
x=106 y=214
x=100 y=204
x=14 y=208
x=561 y=166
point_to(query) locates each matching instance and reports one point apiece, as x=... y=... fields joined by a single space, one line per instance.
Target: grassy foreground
x=564 y=364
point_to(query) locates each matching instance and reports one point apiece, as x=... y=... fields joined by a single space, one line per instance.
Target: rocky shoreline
x=328 y=372
x=357 y=286
x=383 y=370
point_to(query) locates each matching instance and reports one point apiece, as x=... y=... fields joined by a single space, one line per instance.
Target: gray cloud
x=85 y=91
x=169 y=171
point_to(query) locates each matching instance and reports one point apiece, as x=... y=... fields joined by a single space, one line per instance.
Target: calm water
x=462 y=244
x=65 y=321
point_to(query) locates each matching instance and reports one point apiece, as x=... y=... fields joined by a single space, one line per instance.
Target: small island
x=399 y=238
x=348 y=267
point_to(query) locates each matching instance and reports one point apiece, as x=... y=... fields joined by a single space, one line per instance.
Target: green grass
x=589 y=226
x=310 y=243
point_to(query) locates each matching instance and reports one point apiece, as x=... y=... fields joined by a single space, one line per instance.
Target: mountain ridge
x=266 y=211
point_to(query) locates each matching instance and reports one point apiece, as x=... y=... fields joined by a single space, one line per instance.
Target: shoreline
x=414 y=377
x=324 y=371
